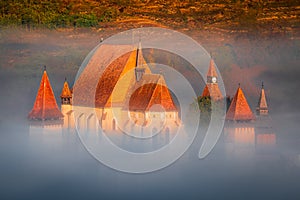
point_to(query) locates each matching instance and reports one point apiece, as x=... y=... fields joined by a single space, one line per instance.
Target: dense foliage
x=204 y=105
x=54 y=13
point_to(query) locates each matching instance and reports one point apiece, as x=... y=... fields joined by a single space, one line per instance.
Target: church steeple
x=66 y=94
x=45 y=106
x=212 y=73
x=262 y=106
x=212 y=89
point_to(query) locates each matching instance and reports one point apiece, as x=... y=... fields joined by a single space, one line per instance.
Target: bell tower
x=212 y=89
x=212 y=76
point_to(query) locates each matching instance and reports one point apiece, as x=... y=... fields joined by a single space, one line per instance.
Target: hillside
x=241 y=15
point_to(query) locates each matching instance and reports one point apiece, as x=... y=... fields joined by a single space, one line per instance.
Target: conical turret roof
x=66 y=92
x=239 y=109
x=262 y=102
x=262 y=106
x=45 y=106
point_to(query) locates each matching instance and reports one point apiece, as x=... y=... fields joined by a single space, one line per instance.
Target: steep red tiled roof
x=98 y=80
x=109 y=79
x=66 y=92
x=239 y=109
x=84 y=89
x=151 y=90
x=212 y=90
x=118 y=80
x=212 y=70
x=45 y=106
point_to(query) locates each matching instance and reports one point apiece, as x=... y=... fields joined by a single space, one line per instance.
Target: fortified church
x=129 y=90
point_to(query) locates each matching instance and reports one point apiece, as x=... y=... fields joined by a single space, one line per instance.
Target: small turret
x=66 y=94
x=262 y=106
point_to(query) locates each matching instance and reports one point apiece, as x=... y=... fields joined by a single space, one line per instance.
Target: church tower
x=212 y=89
x=45 y=106
x=262 y=106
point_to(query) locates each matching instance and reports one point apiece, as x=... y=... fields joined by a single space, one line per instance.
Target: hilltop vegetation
x=175 y=13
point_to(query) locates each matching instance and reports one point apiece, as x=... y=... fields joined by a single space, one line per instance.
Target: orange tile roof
x=212 y=90
x=239 y=109
x=118 y=80
x=212 y=70
x=108 y=80
x=66 y=92
x=151 y=90
x=97 y=82
x=86 y=84
x=45 y=106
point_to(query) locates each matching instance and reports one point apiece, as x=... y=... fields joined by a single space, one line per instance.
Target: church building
x=128 y=97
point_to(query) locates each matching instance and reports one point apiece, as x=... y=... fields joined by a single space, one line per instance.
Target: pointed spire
x=262 y=106
x=212 y=72
x=66 y=92
x=239 y=109
x=212 y=89
x=139 y=69
x=45 y=106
